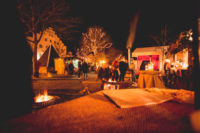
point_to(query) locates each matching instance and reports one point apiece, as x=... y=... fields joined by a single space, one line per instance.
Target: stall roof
x=47 y=59
x=156 y=50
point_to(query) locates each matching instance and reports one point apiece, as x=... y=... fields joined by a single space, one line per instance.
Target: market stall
x=146 y=55
x=46 y=62
x=180 y=70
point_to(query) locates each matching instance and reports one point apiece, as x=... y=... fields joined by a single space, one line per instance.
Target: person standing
x=71 y=68
x=79 y=69
x=66 y=68
x=122 y=68
x=115 y=66
x=100 y=73
x=114 y=73
x=132 y=68
x=85 y=70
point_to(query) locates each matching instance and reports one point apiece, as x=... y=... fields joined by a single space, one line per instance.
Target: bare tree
x=162 y=40
x=37 y=15
x=94 y=41
x=82 y=52
x=113 y=53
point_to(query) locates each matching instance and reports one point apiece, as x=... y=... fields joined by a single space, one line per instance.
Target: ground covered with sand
x=96 y=113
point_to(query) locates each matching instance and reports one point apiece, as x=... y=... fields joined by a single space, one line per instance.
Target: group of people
x=116 y=71
x=177 y=77
x=83 y=68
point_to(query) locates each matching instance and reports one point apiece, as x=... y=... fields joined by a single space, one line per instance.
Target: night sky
x=115 y=15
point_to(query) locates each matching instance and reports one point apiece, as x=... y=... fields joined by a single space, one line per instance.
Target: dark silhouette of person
x=114 y=70
x=71 y=68
x=115 y=74
x=16 y=89
x=107 y=73
x=79 y=69
x=85 y=70
x=100 y=73
x=66 y=67
x=123 y=66
x=144 y=63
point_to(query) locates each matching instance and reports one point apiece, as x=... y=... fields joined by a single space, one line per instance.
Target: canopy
x=148 y=51
x=145 y=53
x=47 y=59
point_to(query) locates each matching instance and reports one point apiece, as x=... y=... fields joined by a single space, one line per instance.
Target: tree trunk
x=35 y=64
x=196 y=71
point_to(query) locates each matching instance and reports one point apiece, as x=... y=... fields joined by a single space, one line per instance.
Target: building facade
x=49 y=37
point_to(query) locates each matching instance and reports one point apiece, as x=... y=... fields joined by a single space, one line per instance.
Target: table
x=150 y=79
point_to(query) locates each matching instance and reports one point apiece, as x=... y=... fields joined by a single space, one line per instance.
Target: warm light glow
x=102 y=61
x=38 y=56
x=185 y=66
x=110 y=80
x=190 y=38
x=111 y=85
x=149 y=66
x=167 y=60
x=43 y=98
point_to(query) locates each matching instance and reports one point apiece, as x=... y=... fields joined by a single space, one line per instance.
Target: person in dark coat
x=100 y=71
x=71 y=68
x=66 y=67
x=123 y=66
x=106 y=74
x=79 y=69
x=114 y=73
x=85 y=70
x=114 y=70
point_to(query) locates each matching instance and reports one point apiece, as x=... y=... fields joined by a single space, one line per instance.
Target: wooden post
x=129 y=57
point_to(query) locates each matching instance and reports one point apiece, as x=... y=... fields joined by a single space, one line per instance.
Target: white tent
x=149 y=51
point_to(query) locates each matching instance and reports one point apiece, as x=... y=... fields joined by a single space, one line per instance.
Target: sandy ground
x=94 y=113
